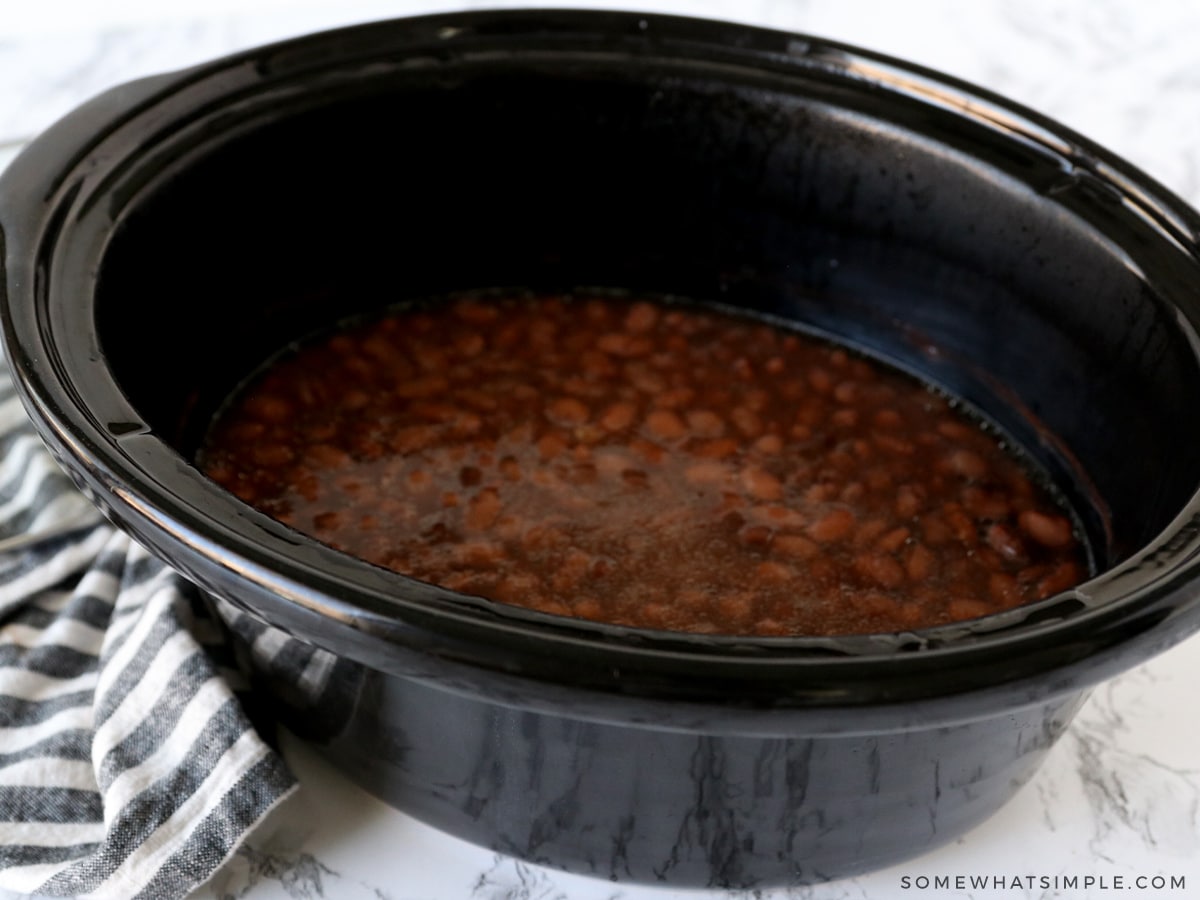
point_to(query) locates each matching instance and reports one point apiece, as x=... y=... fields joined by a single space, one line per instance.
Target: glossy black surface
x=230 y=208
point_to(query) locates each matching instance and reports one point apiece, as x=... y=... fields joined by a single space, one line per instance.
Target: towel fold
x=128 y=766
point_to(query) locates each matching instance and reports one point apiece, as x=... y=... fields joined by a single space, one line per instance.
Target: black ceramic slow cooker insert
x=232 y=207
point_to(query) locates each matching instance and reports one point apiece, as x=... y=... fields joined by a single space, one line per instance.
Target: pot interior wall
x=908 y=231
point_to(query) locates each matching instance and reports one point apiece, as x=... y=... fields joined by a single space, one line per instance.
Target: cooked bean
x=908 y=501
x=571 y=572
x=665 y=425
x=869 y=531
x=894 y=540
x=1004 y=589
x=755 y=535
x=845 y=418
x=894 y=445
x=820 y=380
x=412 y=438
x=551 y=445
x=480 y=553
x=544 y=536
x=476 y=313
x=987 y=505
x=619 y=416
x=835 y=525
x=1060 y=578
x=852 y=493
x=1047 y=529
x=778 y=516
x=747 y=421
x=880 y=569
x=568 y=411
x=737 y=607
x=521 y=588
x=635 y=478
x=648 y=450
x=326 y=456
x=887 y=418
x=1002 y=539
x=934 y=529
x=796 y=546
x=965 y=463
x=875 y=605
x=955 y=430
x=721 y=448
x=704 y=423
x=482 y=510
x=272 y=455
x=419 y=480
x=761 y=484
x=330 y=520
x=967 y=608
x=774 y=573
x=706 y=472
x=674 y=398
x=642 y=317
x=769 y=444
x=845 y=392
x=425 y=386
x=626 y=345
x=645 y=379
x=920 y=564
x=269 y=408
x=962 y=527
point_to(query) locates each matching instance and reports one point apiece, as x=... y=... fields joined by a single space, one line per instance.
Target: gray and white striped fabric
x=128 y=767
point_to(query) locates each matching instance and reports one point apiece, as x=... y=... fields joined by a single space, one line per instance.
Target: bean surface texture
x=642 y=463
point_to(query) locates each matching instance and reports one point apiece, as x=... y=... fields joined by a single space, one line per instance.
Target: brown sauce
x=644 y=464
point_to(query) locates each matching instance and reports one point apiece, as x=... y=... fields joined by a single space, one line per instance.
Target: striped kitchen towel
x=128 y=767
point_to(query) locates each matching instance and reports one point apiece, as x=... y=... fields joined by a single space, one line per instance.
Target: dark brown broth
x=644 y=464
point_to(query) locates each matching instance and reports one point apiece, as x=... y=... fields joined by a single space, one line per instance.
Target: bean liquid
x=644 y=464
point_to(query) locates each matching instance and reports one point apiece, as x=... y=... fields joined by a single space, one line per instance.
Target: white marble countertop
x=1119 y=796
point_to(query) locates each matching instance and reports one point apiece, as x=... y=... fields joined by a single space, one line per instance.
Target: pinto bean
x=706 y=472
x=665 y=425
x=271 y=455
x=551 y=445
x=642 y=317
x=920 y=563
x=908 y=501
x=619 y=416
x=879 y=569
x=704 y=423
x=761 y=484
x=795 y=546
x=894 y=539
x=567 y=411
x=271 y=408
x=1004 y=589
x=617 y=343
x=1047 y=529
x=1060 y=578
x=1002 y=539
x=964 y=463
x=835 y=525
x=747 y=421
x=721 y=448
x=962 y=608
x=482 y=510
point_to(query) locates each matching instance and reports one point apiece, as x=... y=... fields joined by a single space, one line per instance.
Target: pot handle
x=33 y=179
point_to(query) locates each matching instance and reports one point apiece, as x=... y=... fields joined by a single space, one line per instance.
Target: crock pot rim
x=68 y=157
